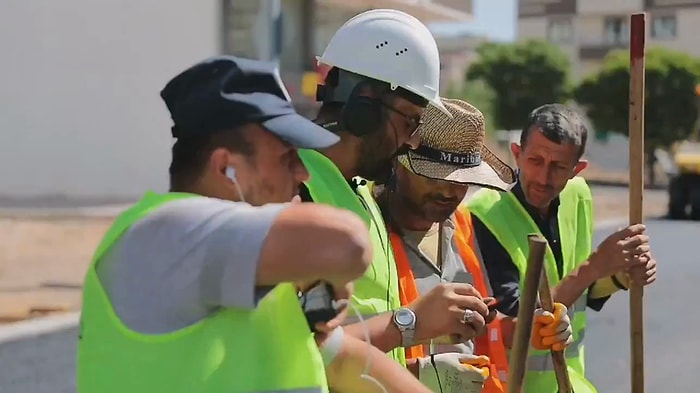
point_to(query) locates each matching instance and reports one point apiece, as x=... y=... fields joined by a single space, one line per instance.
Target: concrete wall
x=80 y=115
x=80 y=112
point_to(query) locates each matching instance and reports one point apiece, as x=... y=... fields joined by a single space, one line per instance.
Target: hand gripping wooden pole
x=538 y=246
x=523 y=327
x=636 y=188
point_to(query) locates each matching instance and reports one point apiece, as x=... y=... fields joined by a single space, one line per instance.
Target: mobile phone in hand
x=317 y=304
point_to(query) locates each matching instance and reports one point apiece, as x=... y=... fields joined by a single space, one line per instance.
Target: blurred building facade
x=307 y=27
x=587 y=30
x=457 y=52
x=81 y=119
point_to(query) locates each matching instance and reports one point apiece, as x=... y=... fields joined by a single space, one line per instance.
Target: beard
x=431 y=207
x=376 y=165
x=379 y=172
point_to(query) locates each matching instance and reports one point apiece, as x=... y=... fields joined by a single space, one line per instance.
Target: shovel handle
x=547 y=303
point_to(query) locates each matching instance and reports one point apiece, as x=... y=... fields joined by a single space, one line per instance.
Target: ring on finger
x=468 y=317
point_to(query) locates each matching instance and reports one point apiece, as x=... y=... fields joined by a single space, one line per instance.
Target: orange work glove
x=479 y=364
x=552 y=331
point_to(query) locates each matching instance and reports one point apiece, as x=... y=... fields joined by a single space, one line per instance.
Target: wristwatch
x=405 y=321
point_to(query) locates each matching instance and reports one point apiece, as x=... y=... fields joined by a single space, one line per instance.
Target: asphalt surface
x=671 y=341
x=46 y=364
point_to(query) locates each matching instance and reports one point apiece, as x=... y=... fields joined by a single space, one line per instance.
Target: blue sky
x=495 y=19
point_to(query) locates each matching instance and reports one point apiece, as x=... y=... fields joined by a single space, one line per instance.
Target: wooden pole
x=523 y=328
x=547 y=303
x=636 y=188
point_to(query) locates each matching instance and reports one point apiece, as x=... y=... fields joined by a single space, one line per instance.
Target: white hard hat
x=390 y=46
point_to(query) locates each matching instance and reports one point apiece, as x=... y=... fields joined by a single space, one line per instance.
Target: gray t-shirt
x=421 y=250
x=186 y=260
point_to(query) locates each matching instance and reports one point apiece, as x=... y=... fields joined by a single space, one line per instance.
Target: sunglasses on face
x=413 y=122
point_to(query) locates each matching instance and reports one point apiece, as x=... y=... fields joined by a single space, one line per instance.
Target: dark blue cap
x=224 y=92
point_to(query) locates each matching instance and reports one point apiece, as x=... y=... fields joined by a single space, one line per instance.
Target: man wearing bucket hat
x=550 y=198
x=432 y=239
x=385 y=72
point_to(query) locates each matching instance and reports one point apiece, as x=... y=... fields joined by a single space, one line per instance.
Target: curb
x=110 y=211
x=38 y=326
x=621 y=184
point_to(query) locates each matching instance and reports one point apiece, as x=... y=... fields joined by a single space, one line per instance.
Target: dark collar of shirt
x=517 y=190
x=305 y=195
x=547 y=224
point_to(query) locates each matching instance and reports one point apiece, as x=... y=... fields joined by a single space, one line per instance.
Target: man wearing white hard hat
x=385 y=71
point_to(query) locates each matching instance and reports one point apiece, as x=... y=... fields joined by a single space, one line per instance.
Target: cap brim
x=301 y=132
x=491 y=173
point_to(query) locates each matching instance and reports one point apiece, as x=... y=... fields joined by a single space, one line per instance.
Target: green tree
x=522 y=75
x=671 y=106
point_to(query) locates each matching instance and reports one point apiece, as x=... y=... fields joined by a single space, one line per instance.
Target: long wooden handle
x=523 y=328
x=547 y=303
x=636 y=188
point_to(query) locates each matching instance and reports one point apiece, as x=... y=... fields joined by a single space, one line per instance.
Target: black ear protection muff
x=360 y=115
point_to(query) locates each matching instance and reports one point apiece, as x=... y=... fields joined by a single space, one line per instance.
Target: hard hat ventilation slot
x=381 y=44
x=402 y=51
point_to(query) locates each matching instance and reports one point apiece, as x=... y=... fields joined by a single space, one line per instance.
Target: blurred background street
x=84 y=133
x=46 y=364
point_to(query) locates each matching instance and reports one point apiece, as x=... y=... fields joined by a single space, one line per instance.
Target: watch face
x=405 y=318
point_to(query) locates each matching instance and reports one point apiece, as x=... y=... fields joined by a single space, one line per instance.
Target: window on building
x=560 y=31
x=664 y=27
x=616 y=30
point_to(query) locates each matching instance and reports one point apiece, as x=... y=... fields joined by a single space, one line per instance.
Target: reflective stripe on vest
x=377 y=291
x=510 y=223
x=490 y=344
x=204 y=357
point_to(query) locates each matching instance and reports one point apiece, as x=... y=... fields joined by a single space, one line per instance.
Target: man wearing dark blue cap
x=190 y=290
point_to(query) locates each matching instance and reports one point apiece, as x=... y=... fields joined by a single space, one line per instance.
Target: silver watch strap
x=407 y=337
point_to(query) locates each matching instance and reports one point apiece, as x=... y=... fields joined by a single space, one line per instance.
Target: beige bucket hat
x=452 y=149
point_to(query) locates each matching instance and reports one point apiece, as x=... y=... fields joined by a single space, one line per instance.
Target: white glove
x=453 y=372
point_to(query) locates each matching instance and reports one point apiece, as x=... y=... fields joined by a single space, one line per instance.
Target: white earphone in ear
x=231 y=174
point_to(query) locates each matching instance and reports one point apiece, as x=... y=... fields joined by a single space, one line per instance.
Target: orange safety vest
x=490 y=344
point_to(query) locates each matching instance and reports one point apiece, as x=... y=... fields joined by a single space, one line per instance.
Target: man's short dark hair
x=558 y=123
x=191 y=154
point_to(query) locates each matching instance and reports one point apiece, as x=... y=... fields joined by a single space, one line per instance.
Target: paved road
x=671 y=346
x=46 y=364
x=42 y=365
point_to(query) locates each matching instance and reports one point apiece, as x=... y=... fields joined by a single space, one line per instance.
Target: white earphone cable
x=337 y=304
x=231 y=174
